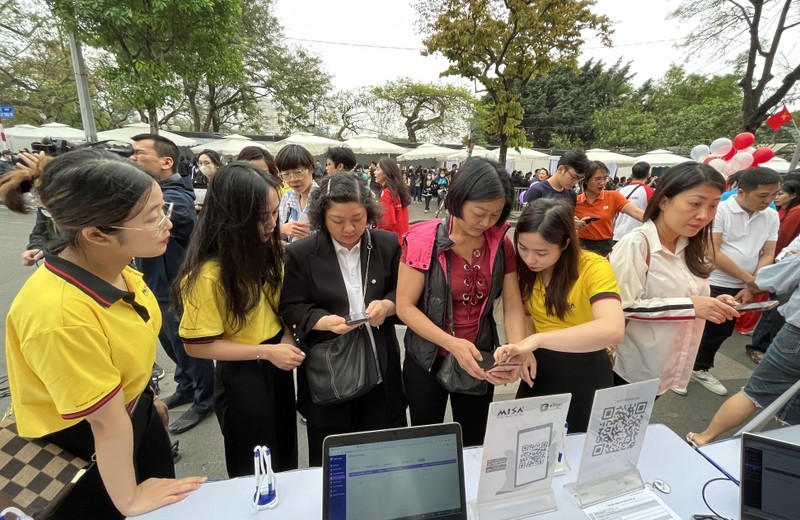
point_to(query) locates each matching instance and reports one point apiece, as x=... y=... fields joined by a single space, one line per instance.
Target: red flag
x=779 y=119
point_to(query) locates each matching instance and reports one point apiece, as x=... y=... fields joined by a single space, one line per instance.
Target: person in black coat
x=323 y=284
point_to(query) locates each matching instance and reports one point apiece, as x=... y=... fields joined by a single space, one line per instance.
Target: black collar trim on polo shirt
x=96 y=288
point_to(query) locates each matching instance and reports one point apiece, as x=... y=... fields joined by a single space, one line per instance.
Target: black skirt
x=578 y=374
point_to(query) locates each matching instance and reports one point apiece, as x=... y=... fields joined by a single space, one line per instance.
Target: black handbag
x=345 y=367
x=450 y=375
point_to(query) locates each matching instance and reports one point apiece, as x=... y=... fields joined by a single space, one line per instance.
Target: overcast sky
x=643 y=35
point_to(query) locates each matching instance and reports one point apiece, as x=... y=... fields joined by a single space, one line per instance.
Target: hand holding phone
x=757 y=306
x=356 y=319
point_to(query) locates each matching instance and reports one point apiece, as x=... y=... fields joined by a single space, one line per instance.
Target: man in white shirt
x=638 y=193
x=744 y=235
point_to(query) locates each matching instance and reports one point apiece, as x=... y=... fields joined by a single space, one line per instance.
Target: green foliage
x=155 y=43
x=679 y=110
x=559 y=106
x=427 y=108
x=503 y=44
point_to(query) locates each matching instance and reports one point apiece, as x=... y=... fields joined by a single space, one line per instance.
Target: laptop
x=770 y=478
x=402 y=473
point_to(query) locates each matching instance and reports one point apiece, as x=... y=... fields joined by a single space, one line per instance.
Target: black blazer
x=313 y=287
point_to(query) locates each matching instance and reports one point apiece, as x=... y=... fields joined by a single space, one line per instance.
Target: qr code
x=619 y=428
x=533 y=455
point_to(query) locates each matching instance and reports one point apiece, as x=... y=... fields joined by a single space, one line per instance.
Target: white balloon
x=721 y=146
x=699 y=152
x=742 y=160
x=718 y=164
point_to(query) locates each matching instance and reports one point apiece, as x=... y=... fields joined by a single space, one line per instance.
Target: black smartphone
x=589 y=220
x=357 y=319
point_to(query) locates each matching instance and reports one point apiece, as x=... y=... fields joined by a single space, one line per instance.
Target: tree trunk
x=152 y=116
x=412 y=134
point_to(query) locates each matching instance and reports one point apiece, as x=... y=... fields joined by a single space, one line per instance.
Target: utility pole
x=82 y=83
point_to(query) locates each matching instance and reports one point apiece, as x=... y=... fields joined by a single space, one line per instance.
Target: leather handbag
x=342 y=368
x=345 y=367
x=35 y=475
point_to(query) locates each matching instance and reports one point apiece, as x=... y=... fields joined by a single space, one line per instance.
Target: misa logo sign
x=510 y=412
x=550 y=406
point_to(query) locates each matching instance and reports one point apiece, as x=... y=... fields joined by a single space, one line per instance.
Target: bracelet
x=258 y=353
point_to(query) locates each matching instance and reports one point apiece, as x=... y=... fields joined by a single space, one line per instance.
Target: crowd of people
x=280 y=260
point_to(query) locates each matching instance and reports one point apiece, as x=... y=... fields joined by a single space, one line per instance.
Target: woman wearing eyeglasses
x=229 y=292
x=79 y=371
x=296 y=165
x=596 y=209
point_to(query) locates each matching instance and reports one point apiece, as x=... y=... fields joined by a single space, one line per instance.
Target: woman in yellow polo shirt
x=574 y=304
x=596 y=209
x=81 y=334
x=229 y=293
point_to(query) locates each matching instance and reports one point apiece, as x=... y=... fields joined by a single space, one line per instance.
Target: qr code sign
x=533 y=455
x=619 y=428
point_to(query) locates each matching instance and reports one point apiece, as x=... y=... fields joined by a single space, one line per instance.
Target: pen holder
x=266 y=494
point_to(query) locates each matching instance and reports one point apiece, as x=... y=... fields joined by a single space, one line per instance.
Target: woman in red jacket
x=788 y=202
x=394 y=198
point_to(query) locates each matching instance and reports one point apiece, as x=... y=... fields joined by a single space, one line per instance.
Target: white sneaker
x=710 y=382
x=680 y=390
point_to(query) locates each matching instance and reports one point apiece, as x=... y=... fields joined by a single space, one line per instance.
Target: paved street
x=201 y=448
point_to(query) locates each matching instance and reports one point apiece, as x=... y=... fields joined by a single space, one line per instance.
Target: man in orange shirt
x=596 y=209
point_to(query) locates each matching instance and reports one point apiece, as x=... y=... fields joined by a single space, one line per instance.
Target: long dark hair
x=791 y=186
x=394 y=181
x=674 y=181
x=553 y=220
x=228 y=231
x=83 y=188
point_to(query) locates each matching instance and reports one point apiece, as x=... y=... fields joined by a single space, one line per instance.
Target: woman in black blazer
x=323 y=285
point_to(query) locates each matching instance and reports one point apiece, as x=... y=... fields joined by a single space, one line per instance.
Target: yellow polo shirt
x=73 y=341
x=205 y=316
x=595 y=282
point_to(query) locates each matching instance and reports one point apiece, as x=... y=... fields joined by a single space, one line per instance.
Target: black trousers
x=578 y=374
x=255 y=406
x=194 y=376
x=368 y=412
x=427 y=402
x=152 y=458
x=601 y=247
x=714 y=334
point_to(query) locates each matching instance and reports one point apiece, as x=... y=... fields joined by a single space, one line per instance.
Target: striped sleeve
x=629 y=262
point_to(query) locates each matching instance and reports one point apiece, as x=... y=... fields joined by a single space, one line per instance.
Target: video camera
x=56 y=147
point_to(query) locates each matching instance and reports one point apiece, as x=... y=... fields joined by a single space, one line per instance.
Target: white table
x=664 y=456
x=726 y=454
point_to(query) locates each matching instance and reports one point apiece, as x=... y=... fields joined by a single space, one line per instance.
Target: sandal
x=690 y=440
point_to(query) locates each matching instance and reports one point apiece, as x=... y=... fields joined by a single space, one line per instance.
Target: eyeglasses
x=293 y=175
x=602 y=180
x=575 y=175
x=167 y=209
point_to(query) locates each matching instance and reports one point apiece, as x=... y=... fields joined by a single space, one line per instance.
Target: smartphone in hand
x=356 y=319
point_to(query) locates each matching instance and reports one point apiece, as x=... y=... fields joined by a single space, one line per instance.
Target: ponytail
x=19 y=181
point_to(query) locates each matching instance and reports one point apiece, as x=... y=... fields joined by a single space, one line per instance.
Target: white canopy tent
x=777 y=164
x=228 y=145
x=369 y=144
x=599 y=154
x=461 y=155
x=125 y=134
x=22 y=136
x=524 y=160
x=313 y=143
x=656 y=158
x=427 y=151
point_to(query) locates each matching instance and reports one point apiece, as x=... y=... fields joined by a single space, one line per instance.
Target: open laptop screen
x=405 y=473
x=770 y=486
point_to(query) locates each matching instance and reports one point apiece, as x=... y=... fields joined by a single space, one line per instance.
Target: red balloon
x=710 y=158
x=728 y=156
x=743 y=140
x=763 y=155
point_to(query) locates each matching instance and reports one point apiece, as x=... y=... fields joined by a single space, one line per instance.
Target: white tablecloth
x=664 y=456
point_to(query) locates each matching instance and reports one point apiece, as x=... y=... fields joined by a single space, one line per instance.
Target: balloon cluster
x=728 y=157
